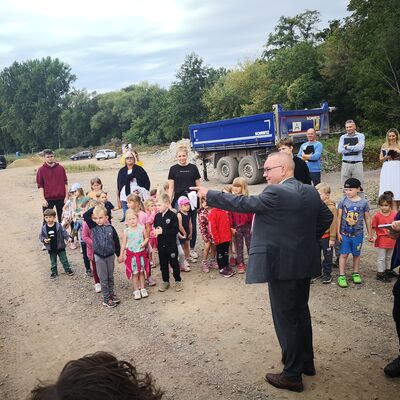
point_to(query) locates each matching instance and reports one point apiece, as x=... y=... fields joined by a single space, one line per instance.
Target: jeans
x=328 y=255
x=315 y=178
x=124 y=205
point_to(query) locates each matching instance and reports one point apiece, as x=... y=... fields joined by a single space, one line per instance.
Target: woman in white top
x=390 y=173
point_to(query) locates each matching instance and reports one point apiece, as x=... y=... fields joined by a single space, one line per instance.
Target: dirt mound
x=26 y=162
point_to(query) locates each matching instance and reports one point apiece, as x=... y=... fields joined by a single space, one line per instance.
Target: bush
x=81 y=168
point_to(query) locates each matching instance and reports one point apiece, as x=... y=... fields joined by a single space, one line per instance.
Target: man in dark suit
x=290 y=218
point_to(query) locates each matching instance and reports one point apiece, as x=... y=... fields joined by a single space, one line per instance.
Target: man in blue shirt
x=310 y=152
x=351 y=146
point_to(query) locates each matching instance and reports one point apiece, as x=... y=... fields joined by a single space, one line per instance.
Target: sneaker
x=144 y=293
x=185 y=267
x=391 y=273
x=163 y=287
x=356 y=278
x=204 y=266
x=53 y=275
x=151 y=281
x=178 y=286
x=393 y=368
x=89 y=273
x=137 y=295
x=110 y=303
x=241 y=268
x=227 y=272
x=70 y=272
x=315 y=278
x=383 y=277
x=232 y=261
x=213 y=264
x=326 y=279
x=115 y=299
x=193 y=254
x=342 y=281
x=97 y=288
x=191 y=259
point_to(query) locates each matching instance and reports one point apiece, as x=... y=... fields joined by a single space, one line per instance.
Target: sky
x=113 y=44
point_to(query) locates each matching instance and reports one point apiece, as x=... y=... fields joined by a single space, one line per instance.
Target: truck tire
x=227 y=168
x=249 y=171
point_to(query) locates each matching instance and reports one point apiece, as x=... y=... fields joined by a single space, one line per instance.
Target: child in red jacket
x=221 y=234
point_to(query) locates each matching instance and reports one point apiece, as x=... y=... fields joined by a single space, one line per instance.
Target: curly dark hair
x=99 y=376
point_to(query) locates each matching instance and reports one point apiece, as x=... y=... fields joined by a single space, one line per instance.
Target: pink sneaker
x=185 y=267
x=213 y=264
x=232 y=261
x=204 y=266
x=151 y=281
x=241 y=268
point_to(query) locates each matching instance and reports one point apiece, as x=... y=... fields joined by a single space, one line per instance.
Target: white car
x=105 y=154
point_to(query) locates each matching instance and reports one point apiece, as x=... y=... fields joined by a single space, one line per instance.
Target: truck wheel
x=227 y=168
x=249 y=171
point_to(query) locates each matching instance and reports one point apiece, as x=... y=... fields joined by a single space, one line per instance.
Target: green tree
x=32 y=96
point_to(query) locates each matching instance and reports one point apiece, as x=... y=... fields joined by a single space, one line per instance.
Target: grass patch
x=73 y=168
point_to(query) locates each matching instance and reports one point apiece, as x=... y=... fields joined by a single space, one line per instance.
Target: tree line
x=353 y=63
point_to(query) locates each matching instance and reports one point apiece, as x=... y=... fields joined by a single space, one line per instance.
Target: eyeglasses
x=268 y=170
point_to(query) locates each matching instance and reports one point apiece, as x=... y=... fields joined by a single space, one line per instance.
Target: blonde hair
x=136 y=199
x=182 y=148
x=92 y=203
x=164 y=198
x=148 y=203
x=131 y=213
x=99 y=210
x=81 y=193
x=323 y=187
x=396 y=132
x=227 y=189
x=240 y=182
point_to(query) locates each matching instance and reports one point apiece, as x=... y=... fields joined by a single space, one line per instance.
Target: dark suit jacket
x=289 y=221
x=301 y=171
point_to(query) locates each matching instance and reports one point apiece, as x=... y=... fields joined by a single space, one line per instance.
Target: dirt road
x=213 y=340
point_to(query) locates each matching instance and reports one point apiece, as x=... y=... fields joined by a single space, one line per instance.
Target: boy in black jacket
x=105 y=246
x=166 y=227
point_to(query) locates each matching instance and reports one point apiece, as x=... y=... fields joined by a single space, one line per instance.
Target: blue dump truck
x=239 y=146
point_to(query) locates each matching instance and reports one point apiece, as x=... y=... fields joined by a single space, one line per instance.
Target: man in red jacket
x=52 y=182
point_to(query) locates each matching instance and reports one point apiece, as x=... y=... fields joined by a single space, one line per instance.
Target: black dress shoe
x=281 y=382
x=309 y=368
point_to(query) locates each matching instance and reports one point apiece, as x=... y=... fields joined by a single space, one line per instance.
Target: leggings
x=243 y=233
x=223 y=255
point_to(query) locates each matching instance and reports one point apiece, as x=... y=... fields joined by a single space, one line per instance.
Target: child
x=383 y=242
x=96 y=187
x=151 y=211
x=105 y=243
x=103 y=199
x=221 y=235
x=232 y=250
x=53 y=236
x=352 y=212
x=134 y=202
x=185 y=226
x=203 y=215
x=79 y=204
x=134 y=242
x=166 y=226
x=240 y=224
x=329 y=237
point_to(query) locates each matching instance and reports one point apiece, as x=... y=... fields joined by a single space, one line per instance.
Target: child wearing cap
x=185 y=226
x=353 y=211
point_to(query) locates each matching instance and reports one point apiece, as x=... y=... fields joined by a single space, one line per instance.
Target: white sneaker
x=144 y=293
x=97 y=288
x=193 y=254
x=136 y=295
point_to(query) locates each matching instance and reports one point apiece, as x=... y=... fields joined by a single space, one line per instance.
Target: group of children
x=346 y=233
x=154 y=224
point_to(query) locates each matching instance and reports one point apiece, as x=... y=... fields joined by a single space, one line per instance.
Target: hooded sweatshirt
x=52 y=180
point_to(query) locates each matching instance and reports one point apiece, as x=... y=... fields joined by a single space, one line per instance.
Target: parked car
x=3 y=162
x=82 y=155
x=105 y=154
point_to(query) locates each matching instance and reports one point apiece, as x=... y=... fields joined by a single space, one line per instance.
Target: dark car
x=3 y=162
x=82 y=155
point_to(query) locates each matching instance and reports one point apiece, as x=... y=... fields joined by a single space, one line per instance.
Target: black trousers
x=169 y=256
x=59 y=204
x=292 y=321
x=396 y=306
x=222 y=255
x=86 y=260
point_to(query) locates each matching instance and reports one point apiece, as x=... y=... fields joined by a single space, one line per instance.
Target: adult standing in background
x=181 y=177
x=289 y=221
x=351 y=146
x=52 y=182
x=390 y=172
x=311 y=152
x=130 y=174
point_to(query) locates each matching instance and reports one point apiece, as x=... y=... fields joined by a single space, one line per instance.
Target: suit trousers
x=292 y=321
